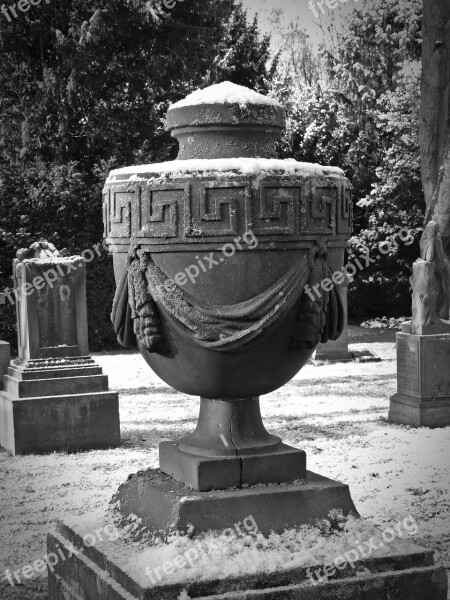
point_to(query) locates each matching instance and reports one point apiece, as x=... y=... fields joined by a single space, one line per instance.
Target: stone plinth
x=164 y=504
x=58 y=404
x=102 y=572
x=423 y=381
x=55 y=397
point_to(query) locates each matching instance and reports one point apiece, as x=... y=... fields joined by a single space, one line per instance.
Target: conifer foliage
x=84 y=87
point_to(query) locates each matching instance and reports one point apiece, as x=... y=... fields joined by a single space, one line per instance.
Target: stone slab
x=202 y=473
x=165 y=504
x=422 y=365
x=333 y=355
x=5 y=357
x=55 y=423
x=417 y=412
x=52 y=373
x=359 y=356
x=90 y=573
x=55 y=386
x=365 y=356
x=51 y=323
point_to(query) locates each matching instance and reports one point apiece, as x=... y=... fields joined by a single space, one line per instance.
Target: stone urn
x=226 y=263
x=216 y=255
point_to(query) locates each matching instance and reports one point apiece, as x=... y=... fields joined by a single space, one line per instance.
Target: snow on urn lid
x=226 y=121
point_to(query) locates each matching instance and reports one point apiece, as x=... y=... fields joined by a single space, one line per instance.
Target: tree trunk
x=435 y=114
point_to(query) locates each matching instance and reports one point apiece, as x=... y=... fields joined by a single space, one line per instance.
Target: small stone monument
x=55 y=396
x=423 y=346
x=5 y=351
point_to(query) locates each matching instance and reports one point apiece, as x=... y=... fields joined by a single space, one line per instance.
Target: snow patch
x=226 y=93
x=214 y=555
x=55 y=260
x=223 y=167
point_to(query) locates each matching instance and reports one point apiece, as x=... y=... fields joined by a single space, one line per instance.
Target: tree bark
x=435 y=114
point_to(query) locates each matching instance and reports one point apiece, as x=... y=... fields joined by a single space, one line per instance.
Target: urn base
x=165 y=505
x=203 y=473
x=231 y=448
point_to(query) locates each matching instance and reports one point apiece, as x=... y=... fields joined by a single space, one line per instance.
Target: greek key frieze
x=275 y=212
x=319 y=216
x=159 y=213
x=344 y=221
x=120 y=213
x=215 y=209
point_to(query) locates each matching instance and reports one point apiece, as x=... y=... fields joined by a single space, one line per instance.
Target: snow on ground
x=337 y=413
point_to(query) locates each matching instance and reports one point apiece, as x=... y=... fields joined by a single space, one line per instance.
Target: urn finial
x=226 y=121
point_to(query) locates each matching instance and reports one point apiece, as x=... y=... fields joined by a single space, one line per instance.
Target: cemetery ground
x=336 y=412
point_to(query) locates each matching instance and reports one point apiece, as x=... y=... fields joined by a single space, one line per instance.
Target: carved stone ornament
x=430 y=283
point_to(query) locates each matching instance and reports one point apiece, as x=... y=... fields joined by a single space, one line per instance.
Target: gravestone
x=212 y=254
x=423 y=346
x=5 y=351
x=337 y=350
x=55 y=396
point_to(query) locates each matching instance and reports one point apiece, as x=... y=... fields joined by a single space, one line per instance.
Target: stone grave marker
x=55 y=396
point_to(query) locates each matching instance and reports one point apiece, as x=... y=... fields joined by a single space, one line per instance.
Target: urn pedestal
x=212 y=254
x=231 y=448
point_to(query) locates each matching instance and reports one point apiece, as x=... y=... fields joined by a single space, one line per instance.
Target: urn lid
x=225 y=130
x=225 y=104
x=242 y=122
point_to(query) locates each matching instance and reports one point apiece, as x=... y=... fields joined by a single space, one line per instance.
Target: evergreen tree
x=84 y=87
x=244 y=55
x=361 y=114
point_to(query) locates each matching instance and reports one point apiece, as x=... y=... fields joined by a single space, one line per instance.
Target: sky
x=291 y=10
x=299 y=9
